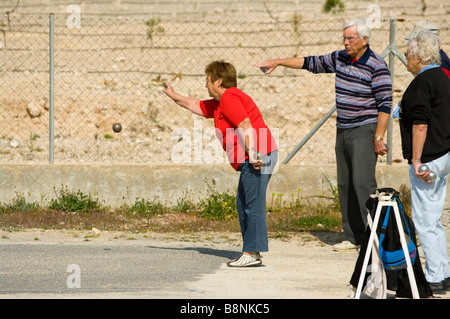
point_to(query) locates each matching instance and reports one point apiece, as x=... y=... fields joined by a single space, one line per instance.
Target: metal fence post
x=391 y=70
x=393 y=52
x=51 y=87
x=310 y=134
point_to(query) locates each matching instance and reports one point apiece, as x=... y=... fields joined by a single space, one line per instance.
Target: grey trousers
x=356 y=161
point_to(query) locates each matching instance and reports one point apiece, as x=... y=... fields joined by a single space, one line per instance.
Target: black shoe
x=438 y=288
x=447 y=283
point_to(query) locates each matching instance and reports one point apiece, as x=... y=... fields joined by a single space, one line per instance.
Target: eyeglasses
x=349 y=39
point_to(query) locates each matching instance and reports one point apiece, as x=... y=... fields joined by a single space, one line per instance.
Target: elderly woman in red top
x=250 y=147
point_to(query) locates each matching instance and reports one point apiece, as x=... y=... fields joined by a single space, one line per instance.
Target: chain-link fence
x=109 y=70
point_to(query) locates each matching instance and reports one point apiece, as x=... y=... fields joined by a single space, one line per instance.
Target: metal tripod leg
x=373 y=235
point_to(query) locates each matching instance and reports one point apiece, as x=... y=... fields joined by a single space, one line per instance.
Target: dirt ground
x=117 y=77
x=301 y=266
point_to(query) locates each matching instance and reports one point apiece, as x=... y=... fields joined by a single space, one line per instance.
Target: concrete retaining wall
x=119 y=184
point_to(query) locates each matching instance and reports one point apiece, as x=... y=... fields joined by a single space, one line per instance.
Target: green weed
x=333 y=6
x=18 y=203
x=146 y=208
x=69 y=201
x=215 y=212
x=218 y=206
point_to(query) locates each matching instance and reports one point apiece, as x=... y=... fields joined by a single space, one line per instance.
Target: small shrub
x=18 y=204
x=219 y=206
x=184 y=205
x=334 y=191
x=333 y=6
x=146 y=208
x=69 y=201
x=153 y=27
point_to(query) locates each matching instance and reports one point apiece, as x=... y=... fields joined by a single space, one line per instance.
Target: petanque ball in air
x=117 y=127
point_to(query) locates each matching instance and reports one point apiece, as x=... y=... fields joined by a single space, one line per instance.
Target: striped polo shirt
x=363 y=87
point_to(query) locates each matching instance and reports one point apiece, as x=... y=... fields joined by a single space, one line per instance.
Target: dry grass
x=216 y=212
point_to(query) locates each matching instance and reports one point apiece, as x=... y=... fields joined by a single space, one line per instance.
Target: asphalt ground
x=43 y=264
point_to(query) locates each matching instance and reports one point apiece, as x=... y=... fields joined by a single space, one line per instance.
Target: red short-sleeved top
x=233 y=108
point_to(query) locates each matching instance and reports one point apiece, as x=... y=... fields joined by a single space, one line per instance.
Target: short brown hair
x=223 y=70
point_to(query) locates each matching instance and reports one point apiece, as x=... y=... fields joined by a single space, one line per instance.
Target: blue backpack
x=395 y=260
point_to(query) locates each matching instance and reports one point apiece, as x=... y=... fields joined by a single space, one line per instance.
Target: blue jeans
x=251 y=203
x=427 y=205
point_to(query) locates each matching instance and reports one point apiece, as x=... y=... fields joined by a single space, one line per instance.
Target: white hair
x=362 y=28
x=425 y=45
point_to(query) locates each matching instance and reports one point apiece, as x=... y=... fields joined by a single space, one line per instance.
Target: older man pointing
x=363 y=102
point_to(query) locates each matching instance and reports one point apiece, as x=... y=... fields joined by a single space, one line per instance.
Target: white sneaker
x=245 y=261
x=346 y=246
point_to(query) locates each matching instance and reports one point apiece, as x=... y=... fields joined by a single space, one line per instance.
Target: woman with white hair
x=425 y=131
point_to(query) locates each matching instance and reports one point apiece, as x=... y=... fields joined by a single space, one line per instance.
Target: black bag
x=395 y=260
x=397 y=280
